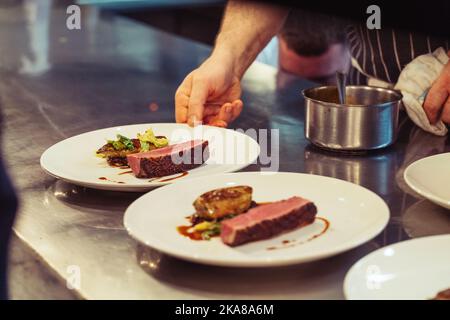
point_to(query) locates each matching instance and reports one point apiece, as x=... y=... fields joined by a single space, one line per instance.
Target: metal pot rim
x=335 y=105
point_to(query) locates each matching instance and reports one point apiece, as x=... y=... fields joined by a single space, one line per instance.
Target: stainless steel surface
x=55 y=83
x=341 y=82
x=368 y=121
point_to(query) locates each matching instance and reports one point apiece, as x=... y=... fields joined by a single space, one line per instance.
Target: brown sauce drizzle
x=106 y=179
x=184 y=173
x=195 y=235
x=125 y=172
x=292 y=243
x=325 y=228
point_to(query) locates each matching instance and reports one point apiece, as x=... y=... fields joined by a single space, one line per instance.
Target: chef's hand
x=437 y=102
x=210 y=94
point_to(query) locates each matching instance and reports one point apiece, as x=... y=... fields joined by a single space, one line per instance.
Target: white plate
x=356 y=215
x=430 y=177
x=412 y=269
x=74 y=159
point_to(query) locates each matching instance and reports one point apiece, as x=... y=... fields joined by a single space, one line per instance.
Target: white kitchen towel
x=414 y=82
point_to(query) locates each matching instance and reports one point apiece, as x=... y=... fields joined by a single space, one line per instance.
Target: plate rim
x=133 y=187
x=268 y=263
x=362 y=260
x=438 y=200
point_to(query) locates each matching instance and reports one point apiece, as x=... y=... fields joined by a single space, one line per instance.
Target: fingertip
x=237 y=108
x=219 y=123
x=180 y=115
x=194 y=121
x=226 y=112
x=238 y=105
x=228 y=107
x=238 y=102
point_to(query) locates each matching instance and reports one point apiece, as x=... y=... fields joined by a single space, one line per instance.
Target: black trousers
x=8 y=207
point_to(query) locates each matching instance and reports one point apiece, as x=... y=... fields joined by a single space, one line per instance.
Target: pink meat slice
x=160 y=162
x=268 y=220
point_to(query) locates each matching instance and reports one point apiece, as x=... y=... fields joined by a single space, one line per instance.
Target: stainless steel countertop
x=55 y=83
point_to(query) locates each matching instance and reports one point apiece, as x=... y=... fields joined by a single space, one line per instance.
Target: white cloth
x=414 y=82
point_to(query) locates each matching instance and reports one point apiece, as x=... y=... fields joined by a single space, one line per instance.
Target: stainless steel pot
x=368 y=121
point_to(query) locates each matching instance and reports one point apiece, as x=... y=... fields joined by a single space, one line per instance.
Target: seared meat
x=443 y=295
x=268 y=220
x=169 y=160
x=117 y=161
x=117 y=158
x=223 y=202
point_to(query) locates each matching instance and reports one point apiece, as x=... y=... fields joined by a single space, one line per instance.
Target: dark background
x=201 y=22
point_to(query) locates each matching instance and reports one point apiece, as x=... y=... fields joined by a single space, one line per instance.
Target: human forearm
x=246 y=29
x=211 y=93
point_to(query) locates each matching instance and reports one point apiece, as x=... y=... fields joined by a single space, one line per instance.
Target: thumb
x=197 y=99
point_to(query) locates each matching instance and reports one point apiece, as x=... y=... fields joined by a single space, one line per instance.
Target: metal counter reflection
x=425 y=218
x=421 y=144
x=372 y=170
x=95 y=208
x=240 y=283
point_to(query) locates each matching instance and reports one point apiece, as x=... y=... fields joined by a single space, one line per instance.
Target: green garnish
x=213 y=230
x=122 y=143
x=150 y=137
x=126 y=141
x=117 y=145
x=148 y=141
x=145 y=146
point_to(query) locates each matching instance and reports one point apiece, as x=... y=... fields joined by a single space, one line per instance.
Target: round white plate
x=412 y=269
x=74 y=159
x=356 y=215
x=430 y=177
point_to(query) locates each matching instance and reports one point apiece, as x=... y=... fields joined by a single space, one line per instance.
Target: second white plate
x=414 y=269
x=355 y=214
x=430 y=177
